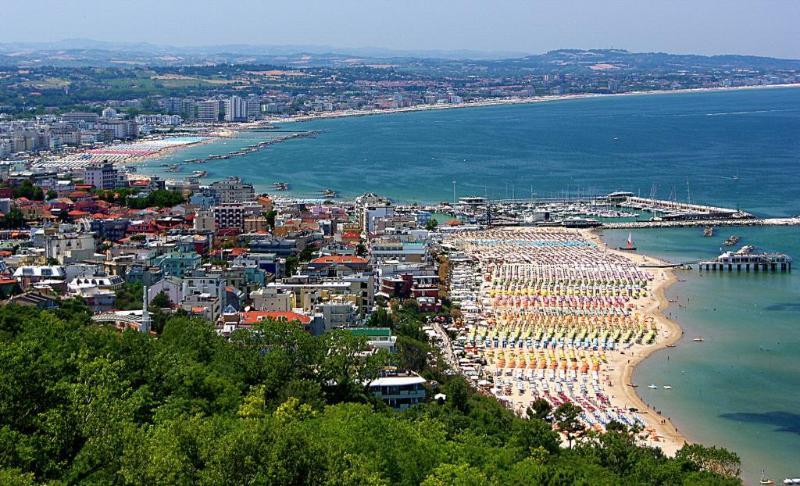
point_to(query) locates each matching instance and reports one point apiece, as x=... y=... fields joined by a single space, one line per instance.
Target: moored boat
x=731 y=240
x=628 y=244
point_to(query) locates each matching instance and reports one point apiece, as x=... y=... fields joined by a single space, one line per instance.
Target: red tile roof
x=343 y=259
x=253 y=317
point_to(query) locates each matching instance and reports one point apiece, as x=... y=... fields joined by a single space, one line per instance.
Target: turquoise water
x=741 y=387
x=585 y=145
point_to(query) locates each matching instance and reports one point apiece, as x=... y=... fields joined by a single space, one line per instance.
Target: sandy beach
x=667 y=436
x=555 y=314
x=510 y=101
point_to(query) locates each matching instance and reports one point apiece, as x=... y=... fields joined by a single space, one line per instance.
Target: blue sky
x=760 y=27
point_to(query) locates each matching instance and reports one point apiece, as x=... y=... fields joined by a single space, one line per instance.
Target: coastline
x=515 y=101
x=666 y=436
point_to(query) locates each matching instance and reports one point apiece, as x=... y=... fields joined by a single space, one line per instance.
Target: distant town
x=49 y=105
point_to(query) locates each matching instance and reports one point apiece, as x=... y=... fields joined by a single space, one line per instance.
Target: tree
x=535 y=433
x=270 y=217
x=412 y=354
x=456 y=475
x=129 y=296
x=291 y=264
x=161 y=301
x=457 y=392
x=307 y=254
x=380 y=318
x=13 y=219
x=712 y=459
x=431 y=224
x=540 y=409
x=566 y=417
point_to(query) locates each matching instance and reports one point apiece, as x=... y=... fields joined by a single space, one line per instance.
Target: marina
x=612 y=211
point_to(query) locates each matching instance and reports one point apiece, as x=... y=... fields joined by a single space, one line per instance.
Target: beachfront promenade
x=551 y=313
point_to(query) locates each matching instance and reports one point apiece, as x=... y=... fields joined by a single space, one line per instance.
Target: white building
x=399 y=390
x=235 y=109
x=101 y=176
x=69 y=247
x=272 y=299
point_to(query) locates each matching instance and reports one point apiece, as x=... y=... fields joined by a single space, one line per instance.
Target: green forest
x=86 y=404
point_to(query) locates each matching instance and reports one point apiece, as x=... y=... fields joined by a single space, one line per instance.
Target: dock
x=704 y=222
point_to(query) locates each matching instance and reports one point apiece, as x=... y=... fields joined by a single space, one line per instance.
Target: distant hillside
x=81 y=52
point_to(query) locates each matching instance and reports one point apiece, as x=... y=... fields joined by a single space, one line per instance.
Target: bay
x=740 y=388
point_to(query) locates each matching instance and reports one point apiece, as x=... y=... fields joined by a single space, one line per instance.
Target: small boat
x=633 y=385
x=628 y=244
x=671 y=346
x=708 y=231
x=667 y=387
x=280 y=186
x=764 y=479
x=329 y=193
x=199 y=173
x=698 y=339
x=652 y=387
x=731 y=240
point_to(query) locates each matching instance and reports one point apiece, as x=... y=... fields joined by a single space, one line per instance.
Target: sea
x=740 y=387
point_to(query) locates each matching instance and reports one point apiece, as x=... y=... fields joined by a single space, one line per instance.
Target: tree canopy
x=82 y=403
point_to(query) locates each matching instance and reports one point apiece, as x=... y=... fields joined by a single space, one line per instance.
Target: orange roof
x=340 y=259
x=76 y=213
x=238 y=251
x=253 y=317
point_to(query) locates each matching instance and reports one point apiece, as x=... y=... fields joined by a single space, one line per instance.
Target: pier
x=746 y=259
x=704 y=222
x=676 y=210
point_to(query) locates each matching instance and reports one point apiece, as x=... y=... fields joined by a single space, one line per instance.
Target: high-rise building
x=253 y=108
x=235 y=109
x=208 y=110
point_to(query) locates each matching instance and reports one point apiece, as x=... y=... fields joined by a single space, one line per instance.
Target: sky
x=757 y=27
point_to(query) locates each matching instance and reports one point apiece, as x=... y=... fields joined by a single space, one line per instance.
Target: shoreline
x=542 y=285
x=515 y=101
x=669 y=332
